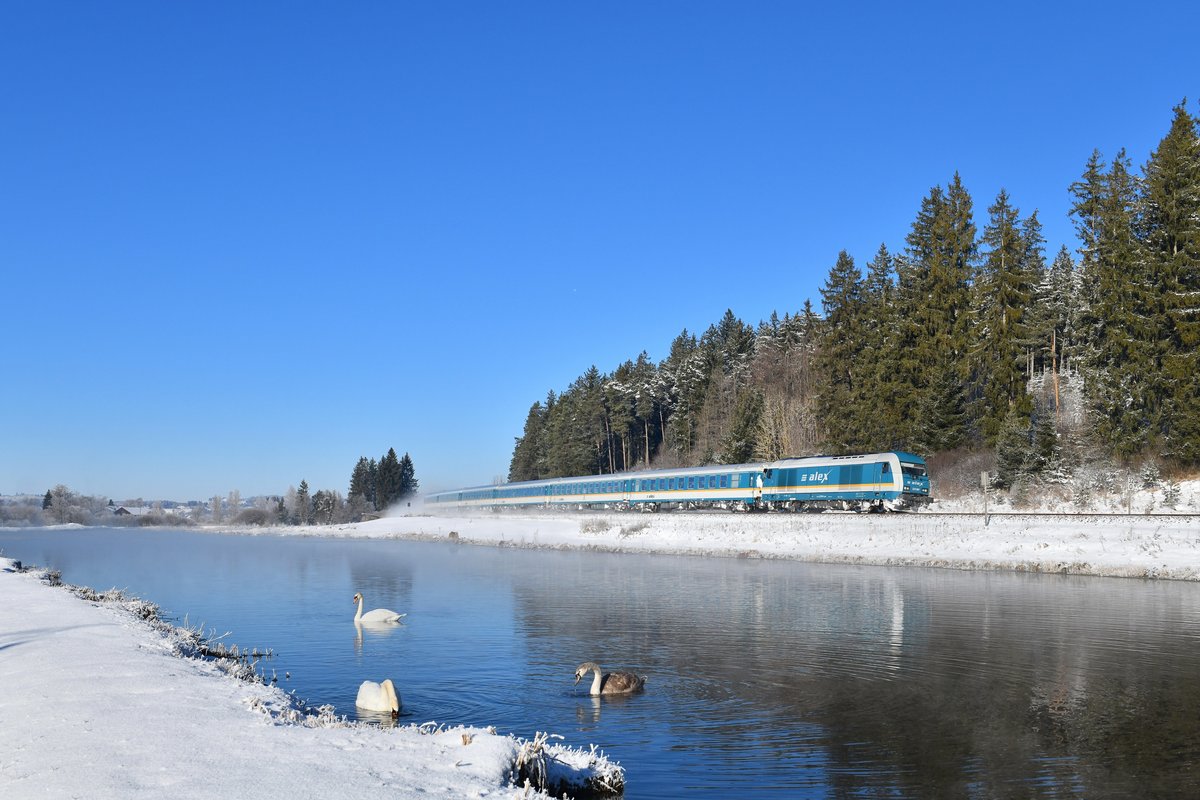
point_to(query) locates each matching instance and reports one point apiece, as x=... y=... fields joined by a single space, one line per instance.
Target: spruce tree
x=529 y=453
x=303 y=505
x=408 y=483
x=647 y=388
x=933 y=303
x=1014 y=450
x=360 y=480
x=840 y=396
x=876 y=414
x=686 y=378
x=1171 y=228
x=1124 y=383
x=941 y=417
x=373 y=482
x=738 y=445
x=387 y=480
x=1002 y=292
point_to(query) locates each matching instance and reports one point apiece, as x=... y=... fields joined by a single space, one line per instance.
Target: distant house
x=135 y=511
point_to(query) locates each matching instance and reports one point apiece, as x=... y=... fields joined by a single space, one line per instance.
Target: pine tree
x=620 y=401
x=303 y=504
x=738 y=445
x=1171 y=225
x=1124 y=383
x=1002 y=292
x=529 y=453
x=840 y=398
x=686 y=378
x=387 y=481
x=933 y=303
x=941 y=417
x=360 y=479
x=647 y=404
x=876 y=420
x=408 y=478
x=373 y=483
x=1052 y=314
x=1014 y=449
x=47 y=501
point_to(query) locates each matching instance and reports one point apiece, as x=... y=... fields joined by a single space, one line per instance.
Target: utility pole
x=983 y=482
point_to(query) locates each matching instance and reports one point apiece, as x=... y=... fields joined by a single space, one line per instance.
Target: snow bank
x=100 y=700
x=952 y=534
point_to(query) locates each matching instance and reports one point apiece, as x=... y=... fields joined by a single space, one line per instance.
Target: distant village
x=60 y=506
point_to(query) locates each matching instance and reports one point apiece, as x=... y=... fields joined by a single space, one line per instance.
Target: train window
x=885 y=469
x=724 y=481
x=712 y=481
x=691 y=483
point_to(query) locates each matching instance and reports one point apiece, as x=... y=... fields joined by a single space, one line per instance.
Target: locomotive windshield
x=914 y=470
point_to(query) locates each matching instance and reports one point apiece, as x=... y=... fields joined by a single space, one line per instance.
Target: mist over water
x=767 y=678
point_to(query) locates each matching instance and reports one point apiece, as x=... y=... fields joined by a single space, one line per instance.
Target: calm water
x=765 y=678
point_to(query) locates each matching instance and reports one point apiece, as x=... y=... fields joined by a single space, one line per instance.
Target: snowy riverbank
x=1111 y=544
x=100 y=702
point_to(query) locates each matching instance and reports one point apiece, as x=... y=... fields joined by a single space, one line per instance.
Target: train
x=891 y=481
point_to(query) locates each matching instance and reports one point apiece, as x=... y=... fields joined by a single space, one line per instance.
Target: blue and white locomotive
x=872 y=482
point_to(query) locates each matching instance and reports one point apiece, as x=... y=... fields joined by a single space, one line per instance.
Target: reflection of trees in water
x=935 y=683
x=391 y=588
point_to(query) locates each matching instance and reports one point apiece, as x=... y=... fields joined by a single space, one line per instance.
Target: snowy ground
x=97 y=702
x=1108 y=541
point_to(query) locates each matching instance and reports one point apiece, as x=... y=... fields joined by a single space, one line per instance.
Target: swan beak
x=576 y=678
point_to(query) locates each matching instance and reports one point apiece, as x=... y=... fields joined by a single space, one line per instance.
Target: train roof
x=706 y=470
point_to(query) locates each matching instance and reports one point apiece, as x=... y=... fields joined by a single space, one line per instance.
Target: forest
x=969 y=340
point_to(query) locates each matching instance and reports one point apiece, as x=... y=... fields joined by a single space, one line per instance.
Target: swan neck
x=596 y=680
x=358 y=614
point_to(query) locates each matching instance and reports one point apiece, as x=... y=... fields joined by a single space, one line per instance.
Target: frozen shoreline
x=99 y=702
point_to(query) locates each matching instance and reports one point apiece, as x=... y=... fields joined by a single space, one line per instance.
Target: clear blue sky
x=244 y=244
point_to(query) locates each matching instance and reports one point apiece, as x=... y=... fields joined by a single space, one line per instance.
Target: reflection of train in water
x=872 y=482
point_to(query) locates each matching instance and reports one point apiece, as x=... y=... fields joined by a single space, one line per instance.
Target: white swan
x=378 y=615
x=379 y=697
x=618 y=682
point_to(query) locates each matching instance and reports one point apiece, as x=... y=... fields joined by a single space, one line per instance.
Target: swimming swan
x=378 y=615
x=379 y=697
x=609 y=682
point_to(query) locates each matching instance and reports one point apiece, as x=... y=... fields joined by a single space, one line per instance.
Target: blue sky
x=244 y=244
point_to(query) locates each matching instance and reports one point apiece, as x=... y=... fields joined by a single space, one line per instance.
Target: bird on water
x=379 y=697
x=616 y=682
x=377 y=615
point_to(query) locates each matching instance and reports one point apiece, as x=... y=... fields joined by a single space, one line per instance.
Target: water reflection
x=380 y=630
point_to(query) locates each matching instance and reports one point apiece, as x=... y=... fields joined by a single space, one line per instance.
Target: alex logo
x=814 y=477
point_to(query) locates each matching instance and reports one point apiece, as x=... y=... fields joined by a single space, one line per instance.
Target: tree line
x=375 y=485
x=965 y=339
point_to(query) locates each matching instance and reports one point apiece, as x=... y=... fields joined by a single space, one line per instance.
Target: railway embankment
x=1163 y=546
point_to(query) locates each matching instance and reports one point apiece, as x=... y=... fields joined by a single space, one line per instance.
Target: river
x=764 y=678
